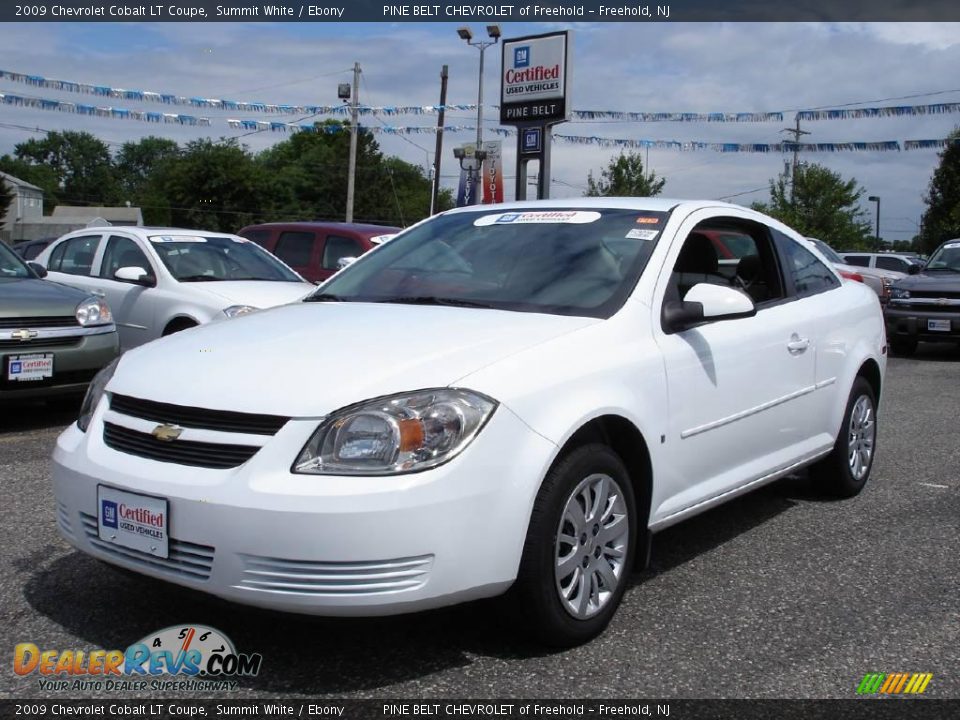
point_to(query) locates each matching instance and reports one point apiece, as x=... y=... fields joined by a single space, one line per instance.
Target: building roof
x=18 y=182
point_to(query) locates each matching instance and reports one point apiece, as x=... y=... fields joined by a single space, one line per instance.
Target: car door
x=300 y=250
x=74 y=260
x=133 y=309
x=739 y=390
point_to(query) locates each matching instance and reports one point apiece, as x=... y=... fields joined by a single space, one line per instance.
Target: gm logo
x=532 y=140
x=108 y=514
x=521 y=56
x=894 y=683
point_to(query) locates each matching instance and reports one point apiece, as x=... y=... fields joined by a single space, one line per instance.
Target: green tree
x=81 y=163
x=941 y=219
x=625 y=176
x=7 y=196
x=823 y=205
x=136 y=161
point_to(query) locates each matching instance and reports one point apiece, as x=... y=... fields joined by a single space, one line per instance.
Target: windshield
x=195 y=258
x=563 y=261
x=946 y=258
x=12 y=266
x=828 y=252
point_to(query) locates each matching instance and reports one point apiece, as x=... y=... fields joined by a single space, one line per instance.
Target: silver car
x=879 y=280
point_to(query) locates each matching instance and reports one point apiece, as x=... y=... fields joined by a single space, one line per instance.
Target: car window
x=260 y=237
x=11 y=266
x=122 y=252
x=810 y=276
x=31 y=251
x=196 y=258
x=56 y=256
x=892 y=263
x=338 y=247
x=707 y=256
x=859 y=260
x=77 y=257
x=295 y=248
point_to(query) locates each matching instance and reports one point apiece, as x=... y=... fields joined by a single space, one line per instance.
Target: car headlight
x=94 y=393
x=899 y=294
x=238 y=310
x=396 y=434
x=93 y=311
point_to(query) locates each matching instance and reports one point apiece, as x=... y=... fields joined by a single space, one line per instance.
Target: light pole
x=466 y=34
x=876 y=199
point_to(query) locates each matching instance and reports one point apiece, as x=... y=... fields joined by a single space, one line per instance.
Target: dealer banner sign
x=535 y=78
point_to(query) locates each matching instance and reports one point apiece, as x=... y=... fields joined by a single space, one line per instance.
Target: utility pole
x=435 y=191
x=352 y=172
x=797 y=133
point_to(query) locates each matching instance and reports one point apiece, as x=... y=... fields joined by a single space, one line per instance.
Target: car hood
x=257 y=293
x=307 y=359
x=936 y=281
x=30 y=297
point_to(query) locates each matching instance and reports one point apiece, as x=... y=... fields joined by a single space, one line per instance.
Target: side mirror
x=136 y=275
x=705 y=302
x=39 y=269
x=914 y=269
x=344 y=261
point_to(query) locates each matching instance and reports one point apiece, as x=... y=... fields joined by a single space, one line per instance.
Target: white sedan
x=159 y=281
x=501 y=399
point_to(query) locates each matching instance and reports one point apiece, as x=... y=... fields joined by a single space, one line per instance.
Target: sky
x=633 y=67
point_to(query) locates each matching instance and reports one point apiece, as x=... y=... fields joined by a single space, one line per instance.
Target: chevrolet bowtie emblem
x=167 y=433
x=942 y=301
x=24 y=334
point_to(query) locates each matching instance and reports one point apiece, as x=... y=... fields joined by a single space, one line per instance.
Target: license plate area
x=28 y=368
x=134 y=521
x=938 y=325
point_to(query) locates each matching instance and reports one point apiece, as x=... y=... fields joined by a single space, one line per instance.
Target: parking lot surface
x=781 y=593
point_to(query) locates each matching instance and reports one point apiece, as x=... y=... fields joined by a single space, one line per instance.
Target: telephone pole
x=435 y=190
x=352 y=171
x=797 y=133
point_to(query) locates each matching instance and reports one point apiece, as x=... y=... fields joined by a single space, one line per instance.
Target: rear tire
x=845 y=471
x=579 y=549
x=903 y=348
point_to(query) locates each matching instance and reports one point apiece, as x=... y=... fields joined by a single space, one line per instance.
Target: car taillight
x=851 y=275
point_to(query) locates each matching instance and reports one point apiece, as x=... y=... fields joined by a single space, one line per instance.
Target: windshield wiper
x=434 y=300
x=324 y=297
x=198 y=278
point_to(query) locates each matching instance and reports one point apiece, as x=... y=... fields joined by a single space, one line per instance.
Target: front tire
x=845 y=471
x=579 y=548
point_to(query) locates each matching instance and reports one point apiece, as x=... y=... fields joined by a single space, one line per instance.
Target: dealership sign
x=535 y=78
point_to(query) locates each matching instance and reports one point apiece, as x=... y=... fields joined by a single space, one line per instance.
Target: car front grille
x=38 y=322
x=183 y=452
x=934 y=295
x=69 y=341
x=301 y=577
x=185 y=559
x=193 y=417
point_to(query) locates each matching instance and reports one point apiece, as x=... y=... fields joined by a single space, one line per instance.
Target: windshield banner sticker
x=575 y=217
x=177 y=239
x=638 y=234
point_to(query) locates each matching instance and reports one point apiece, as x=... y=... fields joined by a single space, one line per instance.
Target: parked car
x=29 y=249
x=162 y=280
x=53 y=339
x=317 y=250
x=503 y=398
x=898 y=262
x=879 y=280
x=926 y=305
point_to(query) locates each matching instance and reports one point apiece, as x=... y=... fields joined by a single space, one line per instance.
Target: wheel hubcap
x=591 y=546
x=862 y=437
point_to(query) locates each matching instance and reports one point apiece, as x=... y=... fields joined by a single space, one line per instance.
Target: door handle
x=798 y=345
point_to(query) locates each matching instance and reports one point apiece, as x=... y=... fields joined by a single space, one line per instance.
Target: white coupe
x=501 y=399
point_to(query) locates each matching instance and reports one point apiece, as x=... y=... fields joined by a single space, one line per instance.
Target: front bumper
x=912 y=322
x=324 y=545
x=73 y=366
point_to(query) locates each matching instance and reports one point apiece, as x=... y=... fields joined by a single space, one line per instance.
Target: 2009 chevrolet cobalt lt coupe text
x=507 y=398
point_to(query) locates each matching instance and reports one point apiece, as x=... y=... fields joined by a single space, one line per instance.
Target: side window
x=56 y=257
x=731 y=252
x=32 y=251
x=892 y=263
x=810 y=276
x=338 y=247
x=122 y=252
x=295 y=248
x=78 y=255
x=260 y=237
x=859 y=260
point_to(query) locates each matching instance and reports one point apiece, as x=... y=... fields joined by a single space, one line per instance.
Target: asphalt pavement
x=780 y=594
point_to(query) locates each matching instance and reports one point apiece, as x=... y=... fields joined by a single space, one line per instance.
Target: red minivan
x=314 y=249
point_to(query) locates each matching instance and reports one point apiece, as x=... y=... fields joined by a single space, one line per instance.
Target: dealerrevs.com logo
x=894 y=683
x=180 y=657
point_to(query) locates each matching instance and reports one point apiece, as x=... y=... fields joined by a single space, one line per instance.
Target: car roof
x=327 y=225
x=655 y=204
